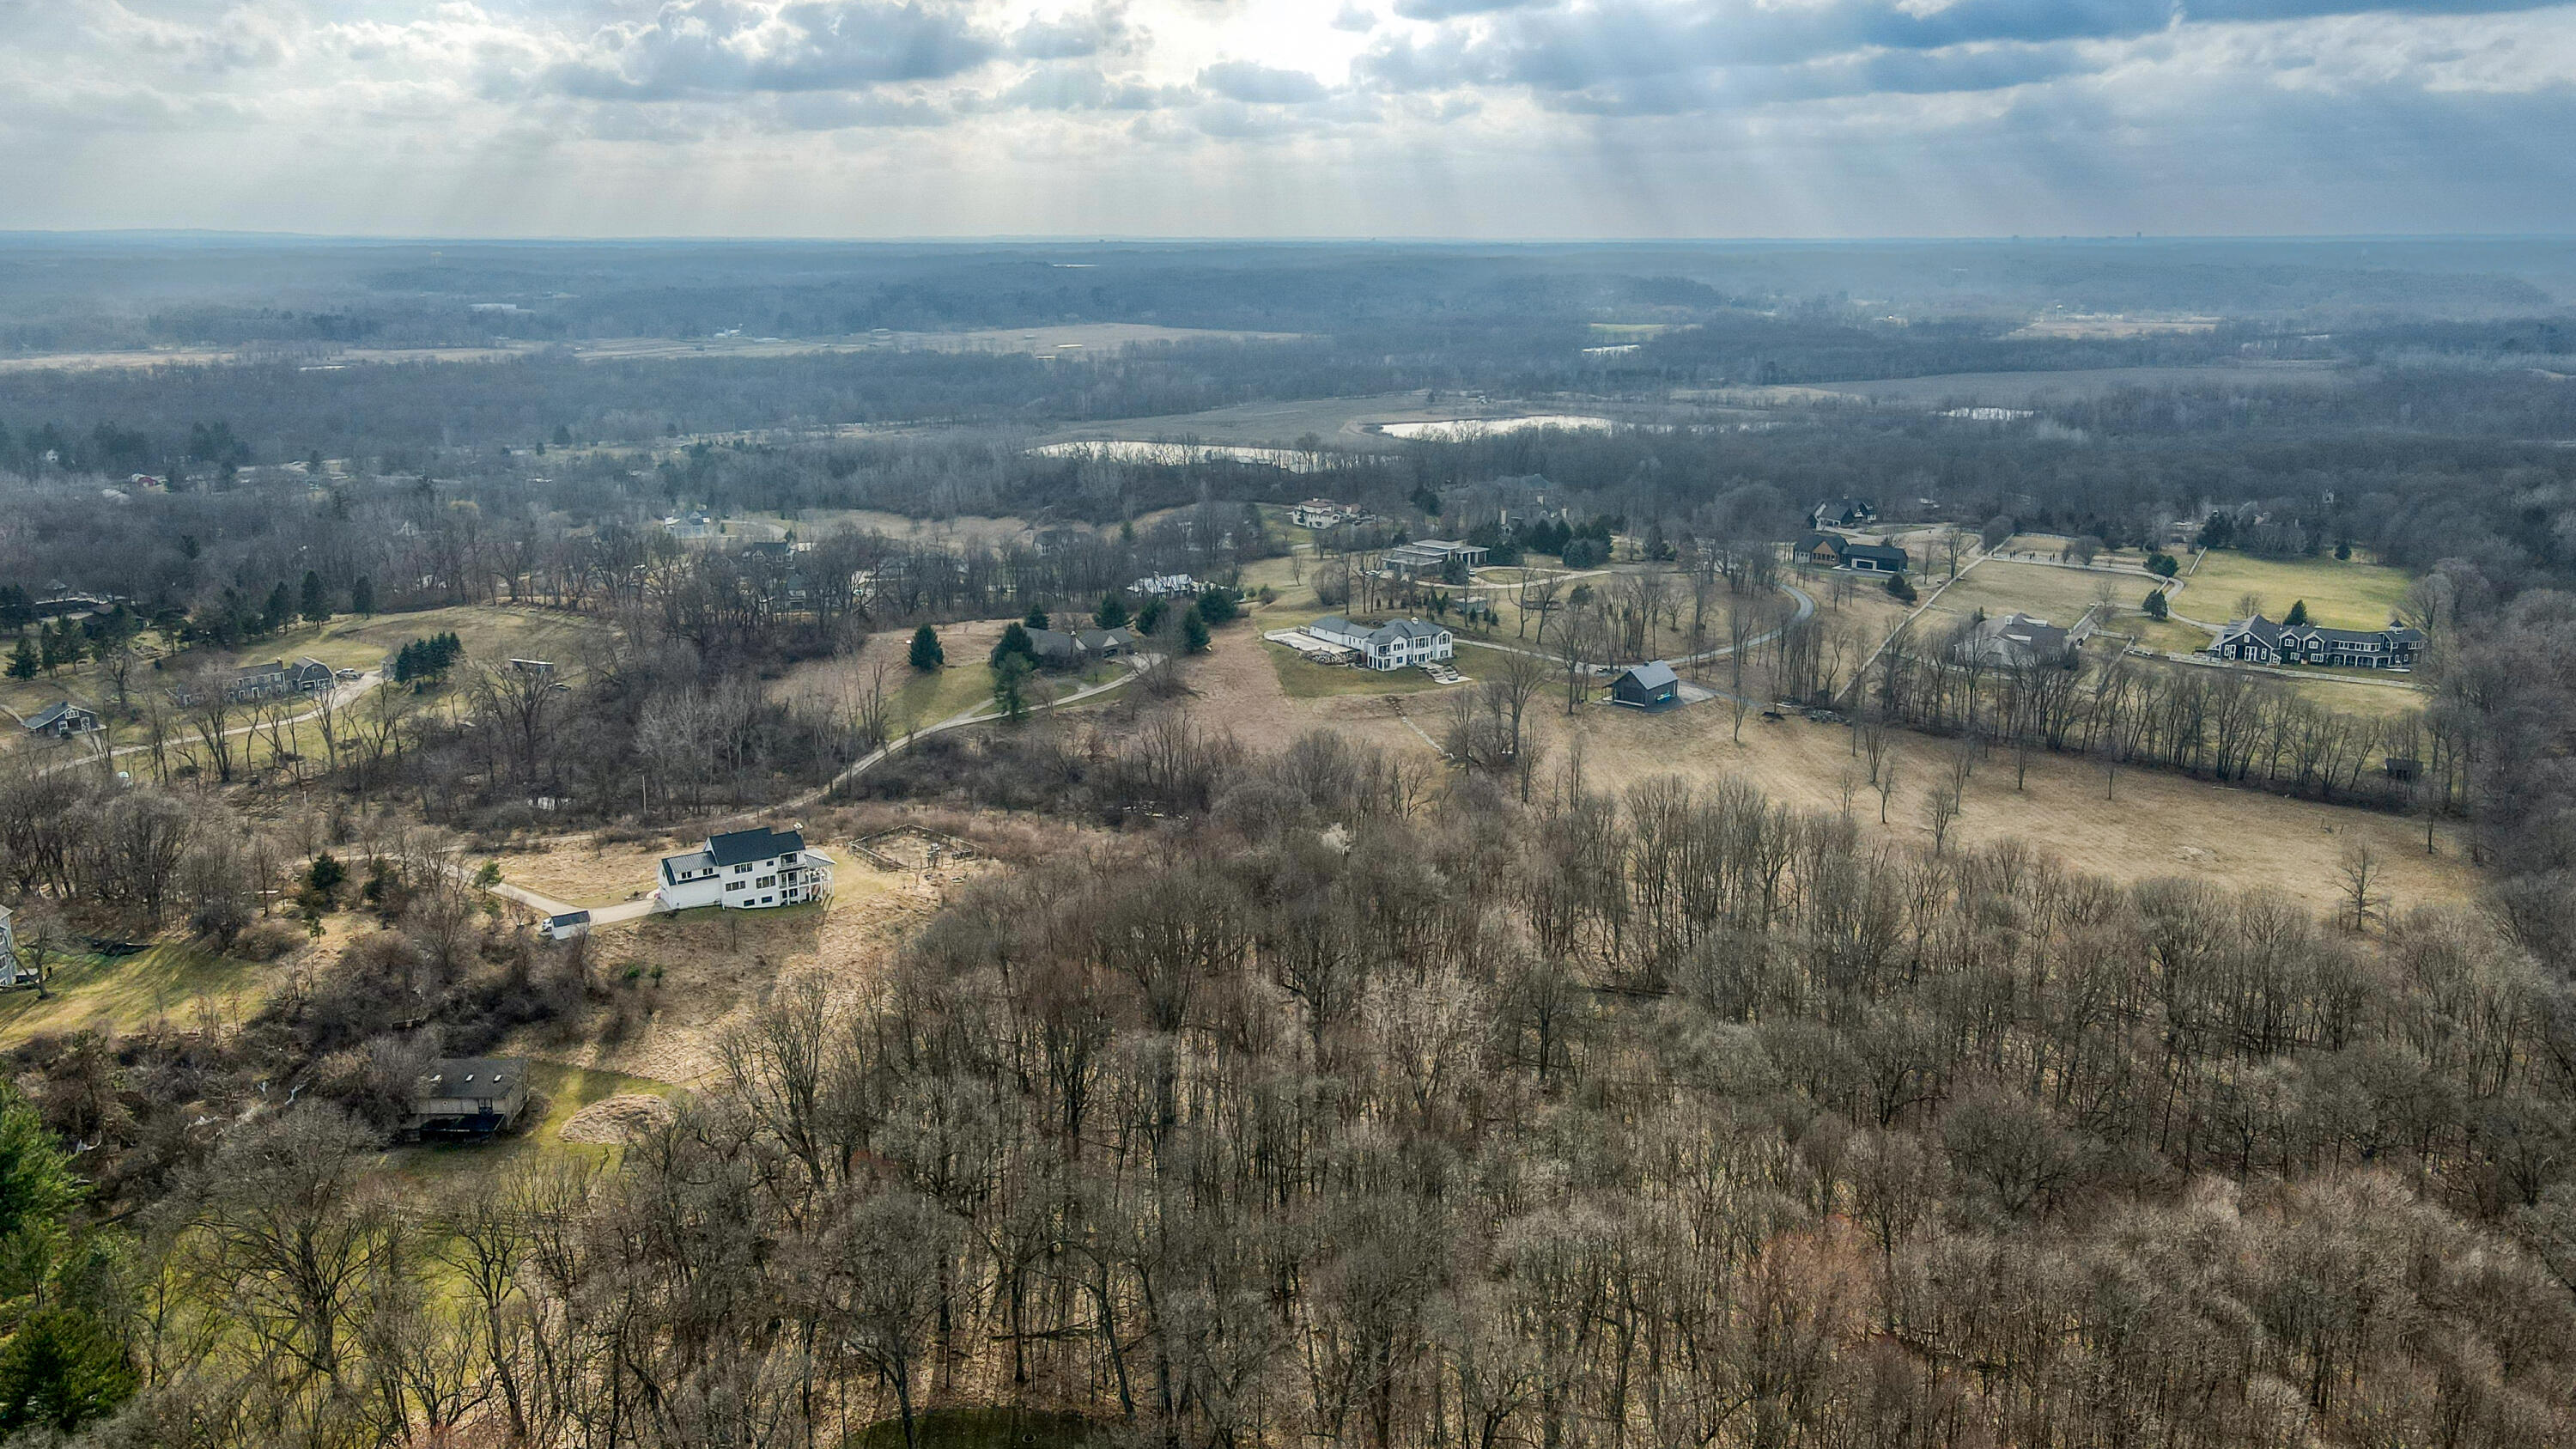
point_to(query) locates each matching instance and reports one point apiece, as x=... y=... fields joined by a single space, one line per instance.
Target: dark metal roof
x=570 y=918
x=739 y=846
x=1655 y=674
x=53 y=714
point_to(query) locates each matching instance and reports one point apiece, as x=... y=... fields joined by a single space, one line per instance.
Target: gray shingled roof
x=737 y=847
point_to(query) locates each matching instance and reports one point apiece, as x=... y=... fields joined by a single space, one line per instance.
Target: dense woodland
x=1376 y=1107
x=1317 y=1097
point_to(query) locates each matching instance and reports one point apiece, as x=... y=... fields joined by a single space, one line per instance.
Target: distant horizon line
x=1094 y=239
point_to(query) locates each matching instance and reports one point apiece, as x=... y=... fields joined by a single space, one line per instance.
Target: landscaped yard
x=1303 y=678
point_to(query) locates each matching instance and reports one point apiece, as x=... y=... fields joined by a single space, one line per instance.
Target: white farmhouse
x=1398 y=645
x=745 y=870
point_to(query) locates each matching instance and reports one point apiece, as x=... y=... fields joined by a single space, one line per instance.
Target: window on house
x=742 y=869
x=735 y=885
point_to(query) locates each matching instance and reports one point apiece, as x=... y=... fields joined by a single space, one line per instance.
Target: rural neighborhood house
x=2260 y=641
x=467 y=1097
x=745 y=870
x=1833 y=551
x=1398 y=645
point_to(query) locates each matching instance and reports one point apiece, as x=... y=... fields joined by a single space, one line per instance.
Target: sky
x=1288 y=118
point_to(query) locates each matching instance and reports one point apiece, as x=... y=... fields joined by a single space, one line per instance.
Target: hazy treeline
x=1678 y=1118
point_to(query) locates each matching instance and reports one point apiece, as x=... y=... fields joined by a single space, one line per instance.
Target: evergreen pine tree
x=24 y=662
x=317 y=599
x=2298 y=614
x=1194 y=632
x=1112 y=613
x=362 y=595
x=1010 y=672
x=1037 y=618
x=927 y=654
x=1014 y=641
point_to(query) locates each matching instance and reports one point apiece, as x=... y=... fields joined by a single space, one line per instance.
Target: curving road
x=643 y=906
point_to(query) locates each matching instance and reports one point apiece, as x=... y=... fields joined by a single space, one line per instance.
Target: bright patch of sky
x=1531 y=118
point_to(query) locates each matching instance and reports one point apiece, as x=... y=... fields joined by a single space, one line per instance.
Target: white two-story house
x=1399 y=645
x=745 y=870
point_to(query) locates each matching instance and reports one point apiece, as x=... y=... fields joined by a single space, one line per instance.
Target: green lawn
x=2349 y=595
x=166 y=979
x=926 y=699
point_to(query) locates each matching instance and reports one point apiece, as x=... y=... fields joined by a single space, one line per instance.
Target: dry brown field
x=716 y=967
x=2154 y=823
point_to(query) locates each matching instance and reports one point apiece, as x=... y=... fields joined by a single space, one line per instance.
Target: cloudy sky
x=1440 y=118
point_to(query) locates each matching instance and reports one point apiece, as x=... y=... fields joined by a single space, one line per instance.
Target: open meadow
x=2148 y=824
x=2349 y=594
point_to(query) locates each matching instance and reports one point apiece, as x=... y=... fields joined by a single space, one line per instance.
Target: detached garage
x=1646 y=686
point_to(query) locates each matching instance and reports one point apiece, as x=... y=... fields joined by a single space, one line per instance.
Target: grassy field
x=173 y=981
x=347 y=642
x=488 y=632
x=2058 y=595
x=591 y=877
x=2168 y=634
x=2350 y=595
x=2154 y=823
x=926 y=699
